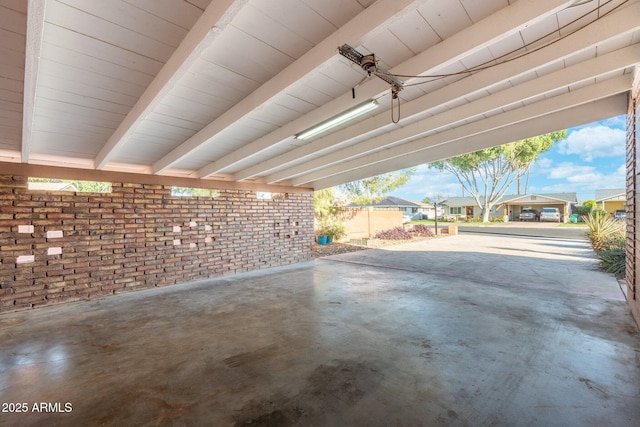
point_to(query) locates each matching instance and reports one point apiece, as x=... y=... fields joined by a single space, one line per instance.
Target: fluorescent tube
x=338 y=120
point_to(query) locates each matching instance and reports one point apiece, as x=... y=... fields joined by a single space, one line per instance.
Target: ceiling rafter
x=548 y=83
x=557 y=103
x=35 y=30
x=211 y=23
x=614 y=25
x=472 y=39
x=126 y=87
x=365 y=22
x=458 y=140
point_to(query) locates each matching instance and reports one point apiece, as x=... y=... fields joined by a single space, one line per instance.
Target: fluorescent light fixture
x=341 y=118
x=579 y=3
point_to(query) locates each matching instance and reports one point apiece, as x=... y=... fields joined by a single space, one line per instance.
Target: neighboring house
x=510 y=206
x=461 y=208
x=611 y=200
x=416 y=210
x=563 y=201
x=429 y=211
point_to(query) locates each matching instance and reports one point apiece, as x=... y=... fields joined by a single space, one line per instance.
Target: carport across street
x=464 y=330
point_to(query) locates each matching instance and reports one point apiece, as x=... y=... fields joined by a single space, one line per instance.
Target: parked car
x=620 y=214
x=529 y=215
x=550 y=214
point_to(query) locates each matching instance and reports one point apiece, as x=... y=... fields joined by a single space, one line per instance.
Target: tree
x=329 y=213
x=193 y=192
x=488 y=174
x=527 y=151
x=374 y=189
x=586 y=208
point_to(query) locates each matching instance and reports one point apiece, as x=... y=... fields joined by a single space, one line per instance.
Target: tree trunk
x=485 y=215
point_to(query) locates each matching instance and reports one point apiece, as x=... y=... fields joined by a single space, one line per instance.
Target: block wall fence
x=366 y=222
x=64 y=246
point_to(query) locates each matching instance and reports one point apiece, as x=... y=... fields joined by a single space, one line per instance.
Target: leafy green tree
x=193 y=192
x=488 y=174
x=371 y=190
x=329 y=213
x=92 y=186
x=526 y=152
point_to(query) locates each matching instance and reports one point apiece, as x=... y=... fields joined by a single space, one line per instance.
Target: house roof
x=391 y=201
x=219 y=89
x=470 y=201
x=565 y=197
x=459 y=201
x=609 y=194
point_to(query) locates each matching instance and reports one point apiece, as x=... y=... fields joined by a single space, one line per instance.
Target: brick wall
x=61 y=246
x=633 y=202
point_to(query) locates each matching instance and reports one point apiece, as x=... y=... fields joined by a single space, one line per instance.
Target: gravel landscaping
x=341 y=248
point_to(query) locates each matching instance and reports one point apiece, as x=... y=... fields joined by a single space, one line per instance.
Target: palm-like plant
x=604 y=231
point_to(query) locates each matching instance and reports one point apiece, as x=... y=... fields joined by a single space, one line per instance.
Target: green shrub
x=613 y=260
x=583 y=210
x=334 y=229
x=617 y=240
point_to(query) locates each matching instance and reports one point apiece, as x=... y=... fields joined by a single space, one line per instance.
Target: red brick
x=123 y=241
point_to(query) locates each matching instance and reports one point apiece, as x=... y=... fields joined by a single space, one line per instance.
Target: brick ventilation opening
x=58 y=246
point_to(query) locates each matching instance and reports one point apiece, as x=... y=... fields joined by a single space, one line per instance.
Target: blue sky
x=590 y=157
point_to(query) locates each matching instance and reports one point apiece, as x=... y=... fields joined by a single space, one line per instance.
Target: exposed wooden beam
x=354 y=30
x=213 y=21
x=575 y=116
x=42 y=171
x=614 y=25
x=35 y=28
x=590 y=69
x=495 y=27
x=588 y=113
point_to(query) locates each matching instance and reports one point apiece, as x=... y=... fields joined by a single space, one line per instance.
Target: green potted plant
x=322 y=236
x=335 y=231
x=329 y=216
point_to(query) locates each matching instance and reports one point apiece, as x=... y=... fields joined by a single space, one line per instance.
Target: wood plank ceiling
x=218 y=89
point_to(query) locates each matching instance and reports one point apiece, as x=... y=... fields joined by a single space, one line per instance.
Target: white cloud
x=543 y=163
x=581 y=179
x=428 y=182
x=617 y=122
x=574 y=173
x=593 y=142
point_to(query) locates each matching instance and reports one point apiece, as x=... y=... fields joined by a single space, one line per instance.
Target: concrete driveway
x=468 y=330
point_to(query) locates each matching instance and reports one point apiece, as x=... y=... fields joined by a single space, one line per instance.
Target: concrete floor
x=468 y=330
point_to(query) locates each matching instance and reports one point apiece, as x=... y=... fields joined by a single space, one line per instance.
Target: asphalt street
x=530 y=229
